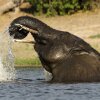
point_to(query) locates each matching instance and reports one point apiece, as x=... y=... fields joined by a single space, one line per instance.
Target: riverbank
x=27 y=62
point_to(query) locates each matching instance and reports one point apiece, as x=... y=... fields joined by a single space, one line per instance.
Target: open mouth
x=22 y=27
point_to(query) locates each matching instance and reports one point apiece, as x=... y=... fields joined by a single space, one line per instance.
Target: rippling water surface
x=29 y=85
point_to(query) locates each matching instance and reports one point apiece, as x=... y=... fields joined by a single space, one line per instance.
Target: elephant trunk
x=30 y=23
x=21 y=26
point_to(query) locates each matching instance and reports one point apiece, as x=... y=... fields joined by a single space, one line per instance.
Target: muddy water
x=30 y=85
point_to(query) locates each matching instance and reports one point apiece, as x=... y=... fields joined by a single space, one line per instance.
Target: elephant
x=66 y=56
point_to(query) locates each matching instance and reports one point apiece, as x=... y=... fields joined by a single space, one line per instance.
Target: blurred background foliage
x=60 y=7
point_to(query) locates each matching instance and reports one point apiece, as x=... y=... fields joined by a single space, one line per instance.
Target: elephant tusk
x=24 y=41
x=26 y=28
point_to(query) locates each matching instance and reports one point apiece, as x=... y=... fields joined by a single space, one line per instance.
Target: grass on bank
x=27 y=62
x=95 y=36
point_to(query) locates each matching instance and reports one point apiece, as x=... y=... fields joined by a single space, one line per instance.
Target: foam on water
x=7 y=70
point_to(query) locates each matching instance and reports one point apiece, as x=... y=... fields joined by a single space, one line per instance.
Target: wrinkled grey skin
x=69 y=58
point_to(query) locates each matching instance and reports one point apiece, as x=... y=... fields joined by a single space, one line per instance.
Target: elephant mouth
x=35 y=34
x=22 y=27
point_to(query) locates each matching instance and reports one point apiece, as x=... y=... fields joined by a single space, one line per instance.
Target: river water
x=30 y=85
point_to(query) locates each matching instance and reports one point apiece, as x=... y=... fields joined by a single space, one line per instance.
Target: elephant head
x=45 y=39
x=66 y=56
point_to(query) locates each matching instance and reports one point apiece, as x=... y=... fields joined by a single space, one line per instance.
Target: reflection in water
x=28 y=87
x=7 y=71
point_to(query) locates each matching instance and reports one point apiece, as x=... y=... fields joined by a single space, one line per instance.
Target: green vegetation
x=59 y=7
x=27 y=62
x=95 y=36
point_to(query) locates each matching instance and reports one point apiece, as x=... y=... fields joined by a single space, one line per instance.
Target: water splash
x=7 y=70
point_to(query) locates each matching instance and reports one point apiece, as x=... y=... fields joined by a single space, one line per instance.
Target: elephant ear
x=81 y=47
